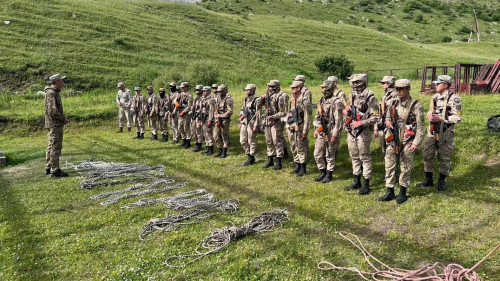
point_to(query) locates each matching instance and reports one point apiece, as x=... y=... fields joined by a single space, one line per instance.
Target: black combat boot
x=224 y=153
x=388 y=196
x=210 y=150
x=441 y=184
x=183 y=142
x=188 y=144
x=164 y=138
x=175 y=141
x=129 y=129
x=321 y=176
x=219 y=153
x=270 y=162
x=302 y=170
x=58 y=174
x=285 y=152
x=365 y=188
x=138 y=136
x=198 y=147
x=428 y=180
x=120 y=130
x=207 y=151
x=250 y=160
x=278 y=165
x=47 y=171
x=328 y=177
x=355 y=184
x=297 y=168
x=153 y=137
x=401 y=196
x=142 y=136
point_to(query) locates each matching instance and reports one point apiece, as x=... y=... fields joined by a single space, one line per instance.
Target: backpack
x=493 y=124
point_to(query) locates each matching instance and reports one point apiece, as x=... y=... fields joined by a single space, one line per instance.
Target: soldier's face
x=184 y=89
x=323 y=90
x=206 y=93
x=441 y=87
x=137 y=92
x=385 y=85
x=150 y=91
x=295 y=91
x=59 y=84
x=248 y=92
x=403 y=93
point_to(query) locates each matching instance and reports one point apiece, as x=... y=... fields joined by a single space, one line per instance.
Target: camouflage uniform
x=441 y=140
x=224 y=108
x=54 y=123
x=328 y=119
x=358 y=143
x=196 y=126
x=207 y=112
x=174 y=118
x=138 y=106
x=297 y=130
x=338 y=92
x=183 y=106
x=249 y=124
x=124 y=98
x=387 y=99
x=152 y=110
x=163 y=114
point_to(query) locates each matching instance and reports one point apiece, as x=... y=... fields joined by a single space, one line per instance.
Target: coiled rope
x=220 y=238
x=175 y=199
x=144 y=192
x=428 y=272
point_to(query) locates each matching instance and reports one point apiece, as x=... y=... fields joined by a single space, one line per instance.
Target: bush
x=447 y=39
x=463 y=30
x=339 y=66
x=204 y=72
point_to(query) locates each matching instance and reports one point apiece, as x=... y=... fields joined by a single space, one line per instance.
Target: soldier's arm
x=258 y=112
x=118 y=98
x=338 y=116
x=211 y=110
x=229 y=105
x=455 y=113
x=56 y=112
x=190 y=103
x=372 y=113
x=281 y=107
x=307 y=116
x=420 y=119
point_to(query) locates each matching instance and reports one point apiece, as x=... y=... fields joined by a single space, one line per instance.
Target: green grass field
x=50 y=230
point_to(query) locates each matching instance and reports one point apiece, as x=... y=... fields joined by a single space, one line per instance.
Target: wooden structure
x=468 y=78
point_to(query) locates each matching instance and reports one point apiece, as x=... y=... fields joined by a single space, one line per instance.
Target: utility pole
x=477 y=26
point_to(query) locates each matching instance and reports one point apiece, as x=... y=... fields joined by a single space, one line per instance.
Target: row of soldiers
x=398 y=121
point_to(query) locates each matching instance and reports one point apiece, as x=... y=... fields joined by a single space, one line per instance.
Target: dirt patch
x=13 y=170
x=493 y=163
x=382 y=224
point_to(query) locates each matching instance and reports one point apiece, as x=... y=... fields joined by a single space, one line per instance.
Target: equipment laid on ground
x=181 y=200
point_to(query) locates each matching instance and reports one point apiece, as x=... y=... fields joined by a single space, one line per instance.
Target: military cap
x=137 y=89
x=120 y=85
x=162 y=90
x=349 y=77
x=333 y=78
x=388 y=79
x=149 y=88
x=198 y=87
x=250 y=87
x=359 y=77
x=300 y=77
x=184 y=84
x=274 y=83
x=403 y=83
x=443 y=79
x=56 y=77
x=215 y=86
x=327 y=84
x=296 y=84
x=172 y=84
x=207 y=88
x=222 y=88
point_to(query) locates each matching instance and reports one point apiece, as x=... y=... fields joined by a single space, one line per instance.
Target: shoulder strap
x=409 y=108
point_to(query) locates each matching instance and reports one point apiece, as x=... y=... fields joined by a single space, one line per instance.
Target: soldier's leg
x=143 y=126
x=252 y=138
x=301 y=150
x=199 y=132
x=128 y=116
x=56 y=144
x=293 y=145
x=182 y=127
x=354 y=153
x=331 y=151
x=390 y=167
x=154 y=123
x=406 y=160
x=365 y=155
x=445 y=151
x=429 y=152
x=193 y=130
x=187 y=126
x=244 y=138
x=319 y=152
x=269 y=141
x=382 y=141
x=278 y=140
x=136 y=123
x=49 y=149
x=121 y=116
x=209 y=135
x=225 y=133
x=217 y=136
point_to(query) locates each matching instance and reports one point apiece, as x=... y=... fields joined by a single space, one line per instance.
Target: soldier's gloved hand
x=388 y=124
x=254 y=130
x=346 y=110
x=333 y=140
x=375 y=133
x=429 y=116
x=436 y=118
x=315 y=134
x=356 y=124
x=413 y=148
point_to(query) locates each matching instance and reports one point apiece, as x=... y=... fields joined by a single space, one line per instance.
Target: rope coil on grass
x=181 y=197
x=155 y=183
x=220 y=238
x=428 y=272
x=144 y=192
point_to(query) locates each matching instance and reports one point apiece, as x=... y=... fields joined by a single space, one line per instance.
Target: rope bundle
x=220 y=238
x=155 y=183
x=181 y=197
x=144 y=192
x=429 y=272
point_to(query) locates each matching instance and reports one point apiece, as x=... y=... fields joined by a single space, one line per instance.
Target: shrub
x=339 y=66
x=447 y=39
x=204 y=72
x=463 y=30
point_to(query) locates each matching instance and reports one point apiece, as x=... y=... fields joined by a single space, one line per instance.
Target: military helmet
x=388 y=79
x=184 y=84
x=222 y=88
x=198 y=87
x=207 y=88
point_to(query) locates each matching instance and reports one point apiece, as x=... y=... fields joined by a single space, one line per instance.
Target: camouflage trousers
x=174 y=124
x=124 y=114
x=139 y=123
x=248 y=138
x=185 y=127
x=275 y=140
x=54 y=149
x=381 y=139
x=298 y=146
x=200 y=134
x=192 y=126
x=406 y=164
x=444 y=149
x=164 y=124
x=359 y=150
x=152 y=122
x=221 y=134
x=209 y=134
x=324 y=153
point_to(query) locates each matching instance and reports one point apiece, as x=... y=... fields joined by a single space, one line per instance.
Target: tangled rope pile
x=429 y=272
x=144 y=192
x=176 y=199
x=173 y=222
x=220 y=238
x=155 y=183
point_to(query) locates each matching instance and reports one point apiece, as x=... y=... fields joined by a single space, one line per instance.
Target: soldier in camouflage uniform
x=207 y=119
x=139 y=108
x=183 y=106
x=276 y=103
x=163 y=114
x=54 y=123
x=196 y=126
x=305 y=92
x=124 y=102
x=408 y=113
x=174 y=118
x=328 y=131
x=359 y=131
x=223 y=110
x=298 y=123
x=378 y=133
x=445 y=111
x=336 y=91
x=152 y=110
x=249 y=123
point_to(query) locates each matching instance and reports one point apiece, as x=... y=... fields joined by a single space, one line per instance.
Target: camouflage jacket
x=414 y=129
x=54 y=114
x=453 y=105
x=331 y=111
